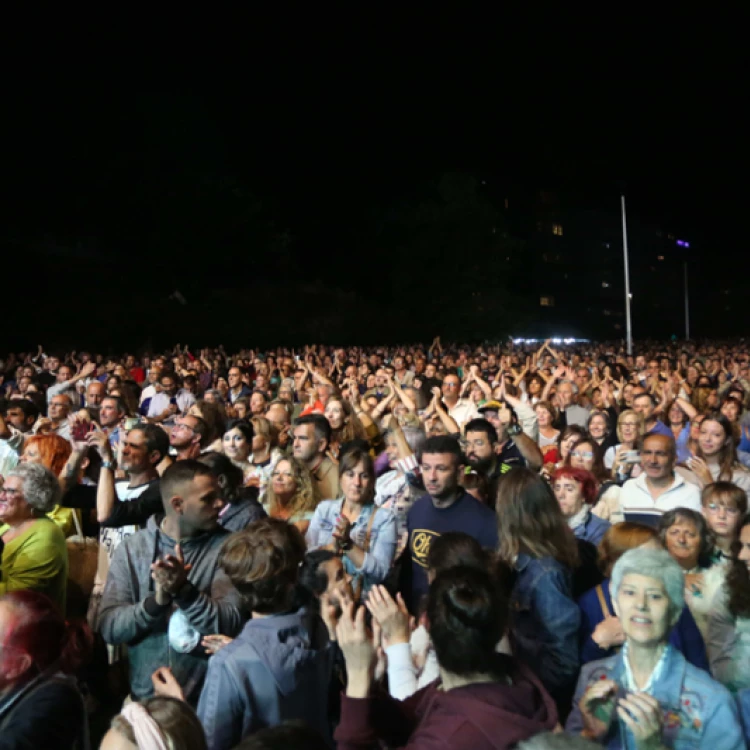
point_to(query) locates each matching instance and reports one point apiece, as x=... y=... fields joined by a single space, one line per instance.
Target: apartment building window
x=547 y=301
x=557 y=229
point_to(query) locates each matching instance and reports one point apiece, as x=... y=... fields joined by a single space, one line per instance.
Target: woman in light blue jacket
x=648 y=696
x=354 y=527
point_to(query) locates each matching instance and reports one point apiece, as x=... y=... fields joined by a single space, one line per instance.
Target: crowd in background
x=533 y=545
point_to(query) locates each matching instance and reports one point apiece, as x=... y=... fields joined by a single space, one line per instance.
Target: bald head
x=94 y=393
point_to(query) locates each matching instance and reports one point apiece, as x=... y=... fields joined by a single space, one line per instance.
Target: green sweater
x=36 y=560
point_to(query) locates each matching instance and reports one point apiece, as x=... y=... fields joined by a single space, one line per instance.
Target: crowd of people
x=534 y=545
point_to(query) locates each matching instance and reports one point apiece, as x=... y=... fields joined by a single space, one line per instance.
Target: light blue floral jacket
x=698 y=712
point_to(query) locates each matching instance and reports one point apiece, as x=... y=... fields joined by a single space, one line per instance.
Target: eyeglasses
x=183 y=426
x=450 y=385
x=582 y=454
x=715 y=508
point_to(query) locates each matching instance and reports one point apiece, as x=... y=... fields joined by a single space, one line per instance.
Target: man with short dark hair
x=171 y=401
x=446 y=507
x=165 y=590
x=187 y=437
x=112 y=412
x=20 y=416
x=312 y=438
x=237 y=389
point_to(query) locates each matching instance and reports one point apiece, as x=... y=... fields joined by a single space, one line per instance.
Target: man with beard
x=187 y=437
x=447 y=507
x=482 y=453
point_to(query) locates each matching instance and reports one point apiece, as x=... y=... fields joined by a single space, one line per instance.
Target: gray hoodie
x=277 y=669
x=129 y=613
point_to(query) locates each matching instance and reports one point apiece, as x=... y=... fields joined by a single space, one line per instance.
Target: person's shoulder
x=598 y=669
x=698 y=680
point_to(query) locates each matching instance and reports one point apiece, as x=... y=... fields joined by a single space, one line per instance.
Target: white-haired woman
x=648 y=697
x=34 y=553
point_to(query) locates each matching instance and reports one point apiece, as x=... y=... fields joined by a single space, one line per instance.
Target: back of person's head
x=215 y=417
x=467 y=614
x=36 y=637
x=228 y=476
x=288 y=736
x=171 y=720
x=530 y=520
x=362 y=446
x=557 y=741
x=156 y=440
x=320 y=424
x=455 y=548
x=263 y=562
x=175 y=479
x=620 y=538
x=54 y=450
x=312 y=577
x=202 y=430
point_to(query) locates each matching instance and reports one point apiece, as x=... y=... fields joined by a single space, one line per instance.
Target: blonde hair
x=263 y=428
x=638 y=417
x=305 y=498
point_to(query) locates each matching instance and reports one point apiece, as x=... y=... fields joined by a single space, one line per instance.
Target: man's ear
x=155 y=458
x=176 y=503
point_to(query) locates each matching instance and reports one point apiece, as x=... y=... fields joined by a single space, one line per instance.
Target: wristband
x=108 y=465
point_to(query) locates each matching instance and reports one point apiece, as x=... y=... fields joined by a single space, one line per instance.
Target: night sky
x=138 y=155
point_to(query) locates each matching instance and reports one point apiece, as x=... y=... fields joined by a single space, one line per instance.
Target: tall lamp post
x=683 y=243
x=628 y=323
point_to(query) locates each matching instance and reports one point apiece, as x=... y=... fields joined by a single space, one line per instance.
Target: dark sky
x=321 y=125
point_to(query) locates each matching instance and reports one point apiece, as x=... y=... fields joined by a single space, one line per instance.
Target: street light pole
x=628 y=324
x=687 y=307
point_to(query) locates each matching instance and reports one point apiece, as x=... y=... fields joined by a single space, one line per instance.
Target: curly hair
x=738 y=578
x=352 y=429
x=41 y=489
x=671 y=517
x=305 y=498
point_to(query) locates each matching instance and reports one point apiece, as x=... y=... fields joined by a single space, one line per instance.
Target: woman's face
x=31 y=454
x=629 y=428
x=569 y=494
x=283 y=481
x=722 y=518
x=731 y=411
x=543 y=416
x=13 y=506
x=692 y=375
x=566 y=444
x=684 y=542
x=371 y=381
x=598 y=427
x=582 y=457
x=476 y=395
x=222 y=386
x=744 y=553
x=695 y=428
x=236 y=445
x=535 y=387
x=335 y=415
x=241 y=410
x=112 y=384
x=597 y=399
x=643 y=608
x=712 y=402
x=711 y=438
x=355 y=483
x=676 y=415
x=627 y=394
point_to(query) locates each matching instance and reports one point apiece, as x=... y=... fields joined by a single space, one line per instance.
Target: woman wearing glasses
x=621 y=459
x=724 y=506
x=586 y=454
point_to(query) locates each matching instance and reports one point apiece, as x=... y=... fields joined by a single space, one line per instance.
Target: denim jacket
x=383 y=539
x=277 y=669
x=698 y=712
x=545 y=622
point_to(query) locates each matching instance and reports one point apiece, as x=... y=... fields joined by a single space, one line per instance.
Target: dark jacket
x=47 y=712
x=685 y=636
x=486 y=716
x=129 y=612
x=277 y=669
x=545 y=622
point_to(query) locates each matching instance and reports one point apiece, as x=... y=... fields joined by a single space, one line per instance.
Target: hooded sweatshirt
x=483 y=716
x=129 y=612
x=278 y=669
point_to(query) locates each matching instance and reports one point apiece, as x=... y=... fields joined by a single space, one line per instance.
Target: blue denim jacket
x=545 y=622
x=592 y=529
x=383 y=539
x=277 y=669
x=698 y=712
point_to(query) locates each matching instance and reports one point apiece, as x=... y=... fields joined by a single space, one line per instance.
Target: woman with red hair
x=40 y=705
x=51 y=451
x=576 y=490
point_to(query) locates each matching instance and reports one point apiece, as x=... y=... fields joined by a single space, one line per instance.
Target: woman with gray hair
x=398 y=488
x=34 y=553
x=648 y=697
